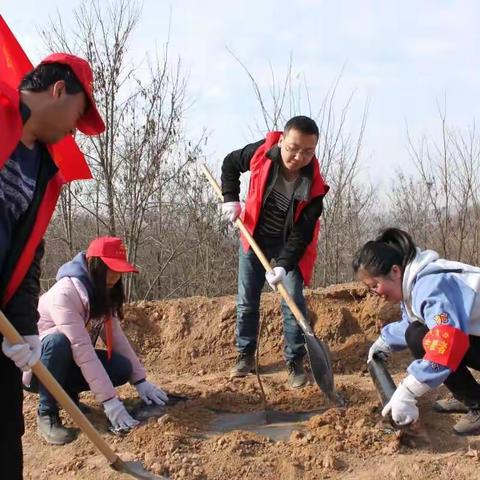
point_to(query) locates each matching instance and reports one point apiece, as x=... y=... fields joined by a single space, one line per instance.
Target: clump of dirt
x=187 y=346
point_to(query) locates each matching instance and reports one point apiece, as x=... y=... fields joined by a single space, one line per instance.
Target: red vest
x=67 y=157
x=14 y=64
x=259 y=169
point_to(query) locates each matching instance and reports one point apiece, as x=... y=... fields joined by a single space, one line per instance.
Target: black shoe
x=50 y=427
x=297 y=377
x=245 y=365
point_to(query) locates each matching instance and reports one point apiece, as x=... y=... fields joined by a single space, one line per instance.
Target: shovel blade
x=135 y=469
x=321 y=365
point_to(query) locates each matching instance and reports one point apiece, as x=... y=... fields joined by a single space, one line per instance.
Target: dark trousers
x=11 y=431
x=461 y=382
x=57 y=357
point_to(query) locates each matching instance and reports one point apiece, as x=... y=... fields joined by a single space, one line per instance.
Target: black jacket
x=297 y=235
x=21 y=309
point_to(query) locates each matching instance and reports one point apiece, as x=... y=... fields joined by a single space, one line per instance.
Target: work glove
x=379 y=347
x=24 y=355
x=403 y=404
x=149 y=393
x=276 y=275
x=118 y=415
x=231 y=210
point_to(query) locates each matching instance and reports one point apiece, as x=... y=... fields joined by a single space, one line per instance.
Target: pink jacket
x=65 y=309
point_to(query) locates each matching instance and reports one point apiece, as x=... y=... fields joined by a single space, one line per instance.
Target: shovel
x=318 y=352
x=408 y=434
x=381 y=378
x=132 y=468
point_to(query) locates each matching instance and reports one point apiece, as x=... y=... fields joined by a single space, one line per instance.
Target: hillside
x=187 y=347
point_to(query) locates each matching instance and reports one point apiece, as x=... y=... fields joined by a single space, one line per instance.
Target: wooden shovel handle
x=49 y=382
x=266 y=264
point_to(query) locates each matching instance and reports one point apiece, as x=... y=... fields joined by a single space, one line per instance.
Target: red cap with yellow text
x=91 y=122
x=113 y=253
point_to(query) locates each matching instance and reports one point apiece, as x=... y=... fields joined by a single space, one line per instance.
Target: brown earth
x=187 y=347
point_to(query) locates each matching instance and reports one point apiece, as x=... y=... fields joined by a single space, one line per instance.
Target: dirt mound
x=193 y=334
x=187 y=346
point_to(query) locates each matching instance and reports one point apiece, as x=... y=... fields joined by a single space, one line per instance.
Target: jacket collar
x=77 y=268
x=413 y=270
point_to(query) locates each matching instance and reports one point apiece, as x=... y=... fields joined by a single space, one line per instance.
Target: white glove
x=231 y=210
x=379 y=346
x=118 y=415
x=150 y=393
x=403 y=403
x=24 y=355
x=276 y=275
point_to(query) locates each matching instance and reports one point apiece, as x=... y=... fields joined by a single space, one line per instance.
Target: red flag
x=14 y=64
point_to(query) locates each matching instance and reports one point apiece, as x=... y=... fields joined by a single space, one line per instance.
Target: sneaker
x=450 y=405
x=245 y=365
x=297 y=376
x=469 y=424
x=50 y=427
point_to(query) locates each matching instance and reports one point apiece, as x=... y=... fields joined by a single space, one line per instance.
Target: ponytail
x=392 y=247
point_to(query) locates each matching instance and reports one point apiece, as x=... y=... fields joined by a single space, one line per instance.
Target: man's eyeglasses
x=298 y=151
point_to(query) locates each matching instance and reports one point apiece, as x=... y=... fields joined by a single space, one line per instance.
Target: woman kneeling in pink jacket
x=85 y=303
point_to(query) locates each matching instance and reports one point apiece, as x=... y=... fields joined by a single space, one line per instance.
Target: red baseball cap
x=91 y=123
x=113 y=253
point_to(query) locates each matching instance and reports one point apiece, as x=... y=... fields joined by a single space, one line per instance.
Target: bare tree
x=147 y=187
x=135 y=156
x=347 y=207
x=440 y=206
x=101 y=34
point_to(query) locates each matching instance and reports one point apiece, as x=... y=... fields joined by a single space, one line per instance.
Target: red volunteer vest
x=67 y=157
x=259 y=169
x=14 y=64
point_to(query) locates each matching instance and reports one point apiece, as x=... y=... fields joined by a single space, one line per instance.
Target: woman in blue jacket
x=440 y=324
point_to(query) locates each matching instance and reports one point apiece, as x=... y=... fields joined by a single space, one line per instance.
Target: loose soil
x=187 y=346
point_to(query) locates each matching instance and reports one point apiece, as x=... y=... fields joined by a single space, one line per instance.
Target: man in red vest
x=282 y=210
x=51 y=102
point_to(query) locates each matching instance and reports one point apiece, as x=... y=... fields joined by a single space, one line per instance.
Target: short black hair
x=303 y=124
x=41 y=77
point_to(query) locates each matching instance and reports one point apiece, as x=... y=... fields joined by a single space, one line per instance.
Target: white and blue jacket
x=432 y=287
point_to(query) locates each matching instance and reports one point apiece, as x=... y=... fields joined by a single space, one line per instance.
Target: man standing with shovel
x=50 y=103
x=284 y=203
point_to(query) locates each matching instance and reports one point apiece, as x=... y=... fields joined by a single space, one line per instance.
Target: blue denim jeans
x=57 y=357
x=251 y=278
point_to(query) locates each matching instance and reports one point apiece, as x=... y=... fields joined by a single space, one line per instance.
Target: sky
x=402 y=58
